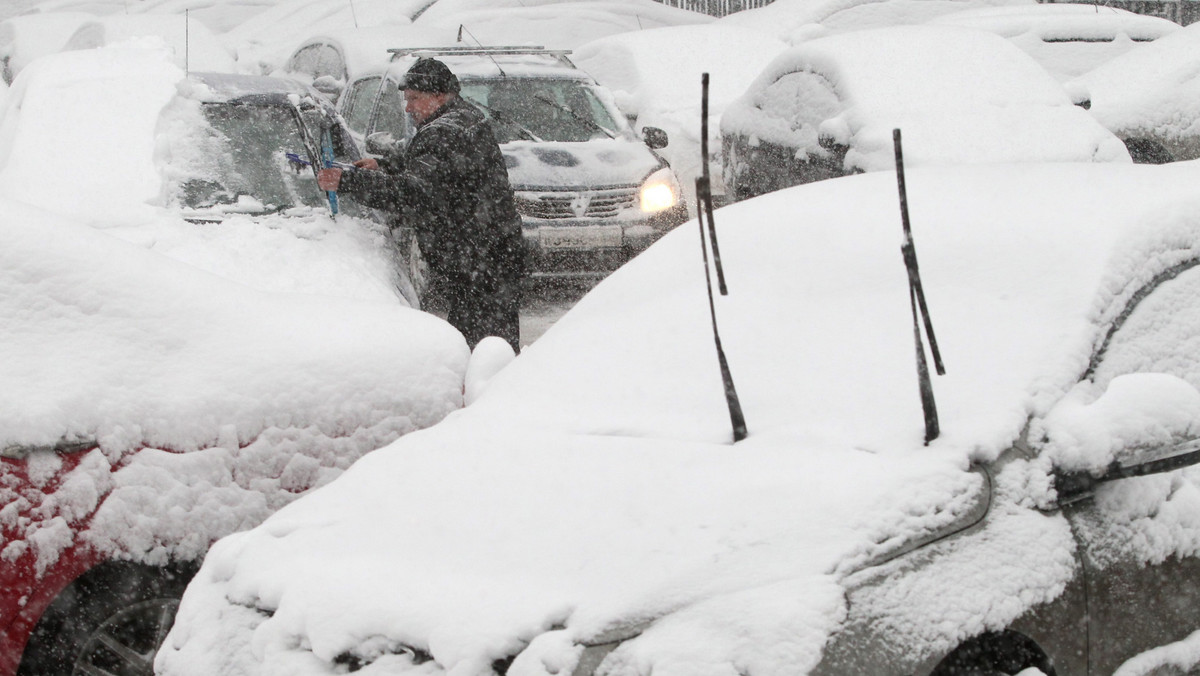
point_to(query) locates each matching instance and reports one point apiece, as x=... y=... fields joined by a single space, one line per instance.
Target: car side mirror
x=827 y=142
x=654 y=137
x=1075 y=486
x=329 y=86
x=1143 y=423
x=381 y=143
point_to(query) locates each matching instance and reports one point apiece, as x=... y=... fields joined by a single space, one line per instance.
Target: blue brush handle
x=327 y=158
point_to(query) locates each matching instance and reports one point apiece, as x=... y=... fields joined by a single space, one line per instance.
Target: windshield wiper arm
x=588 y=122
x=504 y=118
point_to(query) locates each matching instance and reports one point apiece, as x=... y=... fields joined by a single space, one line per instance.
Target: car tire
x=110 y=621
x=995 y=654
x=1147 y=151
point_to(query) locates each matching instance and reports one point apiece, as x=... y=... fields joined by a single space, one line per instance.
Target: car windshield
x=541 y=109
x=239 y=159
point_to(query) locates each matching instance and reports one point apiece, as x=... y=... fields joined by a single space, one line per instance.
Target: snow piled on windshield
x=579 y=503
x=1014 y=112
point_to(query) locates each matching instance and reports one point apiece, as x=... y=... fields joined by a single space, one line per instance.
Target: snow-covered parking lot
x=213 y=384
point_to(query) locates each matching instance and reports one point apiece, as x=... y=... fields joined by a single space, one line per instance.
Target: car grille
x=585 y=204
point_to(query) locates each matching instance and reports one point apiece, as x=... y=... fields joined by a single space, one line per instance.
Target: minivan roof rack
x=419 y=52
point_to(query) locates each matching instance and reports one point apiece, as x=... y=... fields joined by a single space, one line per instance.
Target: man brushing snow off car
x=452 y=184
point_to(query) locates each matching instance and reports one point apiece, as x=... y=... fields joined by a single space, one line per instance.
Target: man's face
x=422 y=104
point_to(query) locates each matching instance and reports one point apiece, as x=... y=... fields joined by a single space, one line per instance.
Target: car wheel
x=1146 y=151
x=995 y=654
x=110 y=622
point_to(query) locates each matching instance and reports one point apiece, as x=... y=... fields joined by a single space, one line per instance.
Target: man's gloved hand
x=367 y=163
x=329 y=179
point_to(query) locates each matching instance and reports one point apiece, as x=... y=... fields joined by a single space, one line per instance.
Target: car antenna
x=916 y=297
x=353 y=14
x=704 y=210
x=187 y=34
x=463 y=28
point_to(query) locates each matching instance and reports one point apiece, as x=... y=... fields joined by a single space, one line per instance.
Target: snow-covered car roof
x=1149 y=90
x=796 y=21
x=553 y=23
x=579 y=497
x=265 y=41
x=25 y=38
x=218 y=15
x=1068 y=39
x=192 y=44
x=959 y=95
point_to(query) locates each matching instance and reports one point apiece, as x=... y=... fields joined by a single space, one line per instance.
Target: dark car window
x=391 y=116
x=548 y=109
x=241 y=151
x=329 y=62
x=318 y=60
x=305 y=60
x=800 y=100
x=358 y=103
x=1160 y=335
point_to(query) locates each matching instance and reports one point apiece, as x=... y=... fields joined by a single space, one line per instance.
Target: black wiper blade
x=588 y=122
x=920 y=311
x=504 y=118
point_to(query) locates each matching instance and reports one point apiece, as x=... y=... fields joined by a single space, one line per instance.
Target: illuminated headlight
x=659 y=191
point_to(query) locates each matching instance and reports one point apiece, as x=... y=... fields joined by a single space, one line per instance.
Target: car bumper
x=591 y=248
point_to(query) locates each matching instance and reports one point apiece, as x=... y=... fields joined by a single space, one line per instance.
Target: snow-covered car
x=593 y=516
x=1068 y=39
x=591 y=193
x=190 y=341
x=828 y=107
x=1148 y=98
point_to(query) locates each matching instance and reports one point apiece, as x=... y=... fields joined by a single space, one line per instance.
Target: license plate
x=581 y=237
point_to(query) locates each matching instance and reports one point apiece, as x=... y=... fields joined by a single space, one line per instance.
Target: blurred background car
x=594 y=515
x=1068 y=39
x=828 y=107
x=655 y=78
x=1148 y=97
x=191 y=341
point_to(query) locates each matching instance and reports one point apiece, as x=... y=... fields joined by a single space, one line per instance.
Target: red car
x=167 y=391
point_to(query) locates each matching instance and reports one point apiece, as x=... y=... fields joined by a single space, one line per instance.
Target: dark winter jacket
x=450 y=185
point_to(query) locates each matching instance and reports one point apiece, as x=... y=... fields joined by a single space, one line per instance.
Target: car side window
x=390 y=115
x=801 y=100
x=305 y=60
x=1160 y=335
x=329 y=62
x=358 y=103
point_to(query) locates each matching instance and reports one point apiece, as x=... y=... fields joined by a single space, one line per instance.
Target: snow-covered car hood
x=592 y=490
x=604 y=162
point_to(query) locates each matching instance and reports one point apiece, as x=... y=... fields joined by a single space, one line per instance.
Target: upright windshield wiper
x=588 y=122
x=504 y=118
